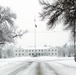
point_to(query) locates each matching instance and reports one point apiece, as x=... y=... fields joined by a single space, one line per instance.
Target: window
x=22 y=50
x=42 y=53
x=49 y=54
x=29 y=53
x=29 y=50
x=42 y=50
x=52 y=49
x=55 y=50
x=35 y=50
x=39 y=50
x=55 y=53
x=19 y=54
x=22 y=54
x=52 y=53
x=39 y=53
x=26 y=50
x=49 y=50
x=32 y=53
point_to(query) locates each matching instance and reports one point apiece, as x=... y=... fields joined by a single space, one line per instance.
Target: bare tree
x=61 y=9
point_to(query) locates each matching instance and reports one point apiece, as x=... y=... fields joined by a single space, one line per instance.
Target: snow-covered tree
x=60 y=10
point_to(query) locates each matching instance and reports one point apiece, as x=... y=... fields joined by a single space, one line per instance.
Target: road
x=37 y=68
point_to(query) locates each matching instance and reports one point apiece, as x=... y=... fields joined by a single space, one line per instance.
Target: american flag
x=35 y=22
x=35 y=25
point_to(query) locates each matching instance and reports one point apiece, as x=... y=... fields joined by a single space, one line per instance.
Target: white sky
x=26 y=10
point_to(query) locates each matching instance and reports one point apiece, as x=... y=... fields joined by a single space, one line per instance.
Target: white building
x=44 y=51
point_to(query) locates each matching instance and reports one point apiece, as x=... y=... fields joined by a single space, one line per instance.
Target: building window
x=32 y=53
x=55 y=53
x=49 y=50
x=52 y=49
x=42 y=53
x=39 y=50
x=29 y=53
x=16 y=54
x=52 y=53
x=26 y=50
x=35 y=50
x=19 y=54
x=55 y=50
x=42 y=50
x=22 y=50
x=39 y=53
x=22 y=54
x=29 y=50
x=49 y=54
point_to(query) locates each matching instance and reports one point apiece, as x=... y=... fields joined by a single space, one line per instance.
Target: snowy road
x=13 y=68
x=38 y=66
x=62 y=69
x=51 y=68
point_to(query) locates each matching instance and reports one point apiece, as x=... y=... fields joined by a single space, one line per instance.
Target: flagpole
x=35 y=33
x=35 y=37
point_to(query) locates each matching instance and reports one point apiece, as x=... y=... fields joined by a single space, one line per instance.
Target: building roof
x=37 y=48
x=33 y=48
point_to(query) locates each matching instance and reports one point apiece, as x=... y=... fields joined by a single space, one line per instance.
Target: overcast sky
x=26 y=11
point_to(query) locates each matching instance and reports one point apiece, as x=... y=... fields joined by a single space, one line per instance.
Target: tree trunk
x=74 y=43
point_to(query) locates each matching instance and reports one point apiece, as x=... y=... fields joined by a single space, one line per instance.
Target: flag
x=35 y=22
x=35 y=25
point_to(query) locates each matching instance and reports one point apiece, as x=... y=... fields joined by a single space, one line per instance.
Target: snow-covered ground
x=64 y=60
x=39 y=66
x=68 y=63
x=7 y=66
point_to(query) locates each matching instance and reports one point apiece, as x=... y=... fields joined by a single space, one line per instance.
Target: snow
x=60 y=65
x=68 y=63
x=62 y=70
x=11 y=64
x=62 y=60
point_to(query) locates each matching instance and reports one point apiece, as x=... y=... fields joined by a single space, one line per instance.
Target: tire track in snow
x=38 y=68
x=49 y=68
x=20 y=69
x=43 y=69
x=33 y=69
